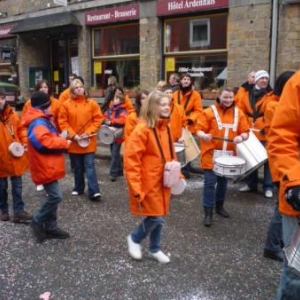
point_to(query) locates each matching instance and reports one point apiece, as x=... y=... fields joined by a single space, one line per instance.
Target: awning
x=48 y=21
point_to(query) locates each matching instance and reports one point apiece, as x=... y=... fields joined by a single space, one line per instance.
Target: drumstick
x=84 y=137
x=254 y=129
x=222 y=139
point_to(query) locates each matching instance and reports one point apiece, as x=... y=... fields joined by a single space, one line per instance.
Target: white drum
x=253 y=152
x=179 y=187
x=192 y=150
x=84 y=142
x=180 y=153
x=229 y=166
x=16 y=149
x=108 y=135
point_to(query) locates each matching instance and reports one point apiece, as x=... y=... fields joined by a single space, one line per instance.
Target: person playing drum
x=115 y=117
x=223 y=121
x=13 y=163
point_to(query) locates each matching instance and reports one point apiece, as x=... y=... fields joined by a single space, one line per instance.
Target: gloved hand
x=206 y=137
x=189 y=122
x=76 y=137
x=292 y=196
x=84 y=136
x=238 y=139
x=107 y=122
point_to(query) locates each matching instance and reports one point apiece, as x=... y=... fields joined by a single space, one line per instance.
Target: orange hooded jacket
x=130 y=124
x=210 y=125
x=192 y=105
x=260 y=107
x=64 y=95
x=144 y=168
x=77 y=116
x=284 y=141
x=177 y=120
x=11 y=130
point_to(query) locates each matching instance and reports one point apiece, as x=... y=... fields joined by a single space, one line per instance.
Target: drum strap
x=186 y=102
x=226 y=126
x=159 y=145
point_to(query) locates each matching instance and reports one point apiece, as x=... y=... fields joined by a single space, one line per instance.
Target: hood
x=32 y=114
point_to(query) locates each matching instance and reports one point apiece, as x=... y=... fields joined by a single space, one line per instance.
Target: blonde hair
x=149 y=110
x=160 y=85
x=73 y=84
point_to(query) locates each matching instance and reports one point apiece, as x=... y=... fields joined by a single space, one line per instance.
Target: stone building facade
x=50 y=40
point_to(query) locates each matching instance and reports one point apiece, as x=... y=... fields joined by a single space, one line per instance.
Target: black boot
x=220 y=210
x=208 y=216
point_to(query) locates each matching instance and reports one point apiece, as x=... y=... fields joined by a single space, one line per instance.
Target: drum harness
x=226 y=126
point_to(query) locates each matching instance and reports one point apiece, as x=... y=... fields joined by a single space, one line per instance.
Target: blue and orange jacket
x=117 y=114
x=45 y=147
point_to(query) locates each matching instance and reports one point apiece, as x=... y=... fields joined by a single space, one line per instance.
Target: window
x=199 y=33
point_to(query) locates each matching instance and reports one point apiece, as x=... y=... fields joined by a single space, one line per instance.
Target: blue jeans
x=46 y=215
x=150 y=226
x=116 y=165
x=214 y=190
x=16 y=189
x=274 y=240
x=289 y=286
x=85 y=163
x=252 y=180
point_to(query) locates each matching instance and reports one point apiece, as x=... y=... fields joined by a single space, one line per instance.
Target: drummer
x=224 y=121
x=11 y=166
x=115 y=117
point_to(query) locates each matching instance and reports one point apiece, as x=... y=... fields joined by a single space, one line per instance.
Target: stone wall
x=248 y=38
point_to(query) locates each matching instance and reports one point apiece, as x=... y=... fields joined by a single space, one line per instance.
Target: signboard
x=6 y=54
x=5 y=30
x=61 y=2
x=113 y=14
x=168 y=7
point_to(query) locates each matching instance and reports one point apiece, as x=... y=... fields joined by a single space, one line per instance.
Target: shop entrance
x=64 y=61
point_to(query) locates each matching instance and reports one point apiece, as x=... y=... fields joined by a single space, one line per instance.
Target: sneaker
x=134 y=249
x=57 y=233
x=38 y=231
x=245 y=188
x=21 y=217
x=4 y=216
x=112 y=178
x=268 y=194
x=96 y=197
x=160 y=257
x=39 y=187
x=273 y=255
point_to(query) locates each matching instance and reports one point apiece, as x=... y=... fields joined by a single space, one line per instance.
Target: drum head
x=83 y=143
x=230 y=161
x=179 y=187
x=106 y=135
x=16 y=149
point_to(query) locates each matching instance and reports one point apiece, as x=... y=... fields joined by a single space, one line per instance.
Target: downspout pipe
x=273 y=52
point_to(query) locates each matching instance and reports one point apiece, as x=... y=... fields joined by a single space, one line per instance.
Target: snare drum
x=84 y=142
x=229 y=166
x=253 y=152
x=108 y=135
x=180 y=153
x=192 y=150
x=16 y=149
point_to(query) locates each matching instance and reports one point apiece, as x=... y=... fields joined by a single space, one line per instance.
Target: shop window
x=199 y=33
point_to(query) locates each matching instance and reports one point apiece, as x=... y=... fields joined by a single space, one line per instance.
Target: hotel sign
x=114 y=14
x=168 y=7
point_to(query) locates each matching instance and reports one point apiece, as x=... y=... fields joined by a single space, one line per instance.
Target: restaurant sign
x=168 y=7
x=114 y=14
x=5 y=30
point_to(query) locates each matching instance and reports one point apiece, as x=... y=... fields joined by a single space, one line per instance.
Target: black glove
x=292 y=196
x=189 y=122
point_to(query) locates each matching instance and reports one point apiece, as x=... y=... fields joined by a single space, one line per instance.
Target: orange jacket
x=209 y=125
x=192 y=105
x=80 y=115
x=54 y=108
x=45 y=147
x=11 y=124
x=144 y=168
x=243 y=89
x=260 y=107
x=283 y=141
x=128 y=104
x=270 y=111
x=177 y=120
x=64 y=95
x=130 y=124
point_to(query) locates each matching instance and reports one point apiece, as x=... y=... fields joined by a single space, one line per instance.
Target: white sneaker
x=245 y=188
x=134 y=249
x=160 y=257
x=74 y=193
x=268 y=194
x=39 y=187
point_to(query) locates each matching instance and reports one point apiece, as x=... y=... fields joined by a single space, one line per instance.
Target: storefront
x=8 y=50
x=115 y=45
x=195 y=40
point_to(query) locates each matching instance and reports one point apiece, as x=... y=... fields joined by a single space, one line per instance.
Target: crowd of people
x=50 y=128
